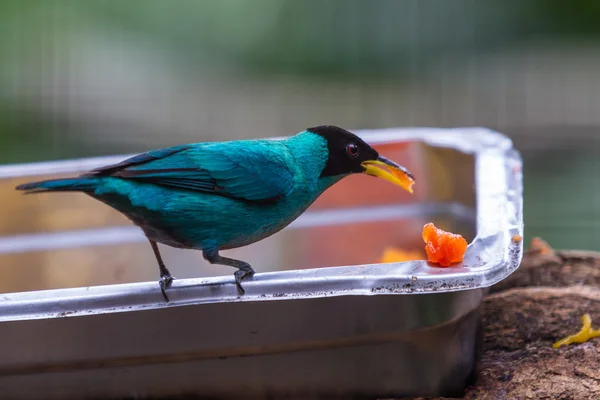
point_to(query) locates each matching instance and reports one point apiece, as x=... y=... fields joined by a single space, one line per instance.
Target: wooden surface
x=540 y=303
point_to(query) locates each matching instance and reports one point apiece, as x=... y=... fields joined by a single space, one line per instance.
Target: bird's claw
x=241 y=274
x=164 y=282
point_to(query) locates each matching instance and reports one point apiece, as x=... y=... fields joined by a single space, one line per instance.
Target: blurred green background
x=88 y=77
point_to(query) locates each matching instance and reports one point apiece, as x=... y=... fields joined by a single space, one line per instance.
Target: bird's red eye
x=352 y=149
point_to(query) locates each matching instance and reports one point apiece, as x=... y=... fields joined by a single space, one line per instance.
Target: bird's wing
x=257 y=171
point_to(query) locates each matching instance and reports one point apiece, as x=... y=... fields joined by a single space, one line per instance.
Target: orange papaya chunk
x=443 y=248
x=392 y=255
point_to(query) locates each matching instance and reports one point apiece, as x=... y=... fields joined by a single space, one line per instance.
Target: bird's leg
x=165 y=275
x=244 y=269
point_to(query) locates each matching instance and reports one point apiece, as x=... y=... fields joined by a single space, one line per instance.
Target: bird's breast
x=246 y=226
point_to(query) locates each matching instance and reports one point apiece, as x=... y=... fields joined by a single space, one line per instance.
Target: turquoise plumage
x=223 y=195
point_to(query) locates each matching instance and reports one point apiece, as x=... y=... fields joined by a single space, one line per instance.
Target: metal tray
x=304 y=329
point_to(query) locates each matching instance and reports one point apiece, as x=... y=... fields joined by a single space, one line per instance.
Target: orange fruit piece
x=392 y=254
x=443 y=248
x=539 y=245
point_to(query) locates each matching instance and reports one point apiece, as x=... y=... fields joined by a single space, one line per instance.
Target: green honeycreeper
x=222 y=195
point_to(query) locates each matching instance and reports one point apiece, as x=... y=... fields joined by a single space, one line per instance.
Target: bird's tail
x=61 y=185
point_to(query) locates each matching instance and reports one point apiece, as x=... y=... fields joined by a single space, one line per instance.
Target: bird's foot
x=164 y=282
x=241 y=274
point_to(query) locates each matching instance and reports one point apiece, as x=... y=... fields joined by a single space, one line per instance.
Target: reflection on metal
x=310 y=219
x=380 y=330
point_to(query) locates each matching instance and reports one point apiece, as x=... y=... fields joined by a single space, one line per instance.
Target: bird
x=214 y=196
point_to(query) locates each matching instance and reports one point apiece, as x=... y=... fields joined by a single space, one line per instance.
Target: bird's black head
x=350 y=154
x=346 y=151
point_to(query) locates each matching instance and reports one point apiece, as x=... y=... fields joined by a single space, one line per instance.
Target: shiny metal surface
x=400 y=329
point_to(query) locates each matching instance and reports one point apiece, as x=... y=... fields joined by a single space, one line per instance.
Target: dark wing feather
x=138 y=159
x=256 y=171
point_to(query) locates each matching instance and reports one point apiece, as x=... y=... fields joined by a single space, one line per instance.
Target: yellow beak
x=390 y=171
